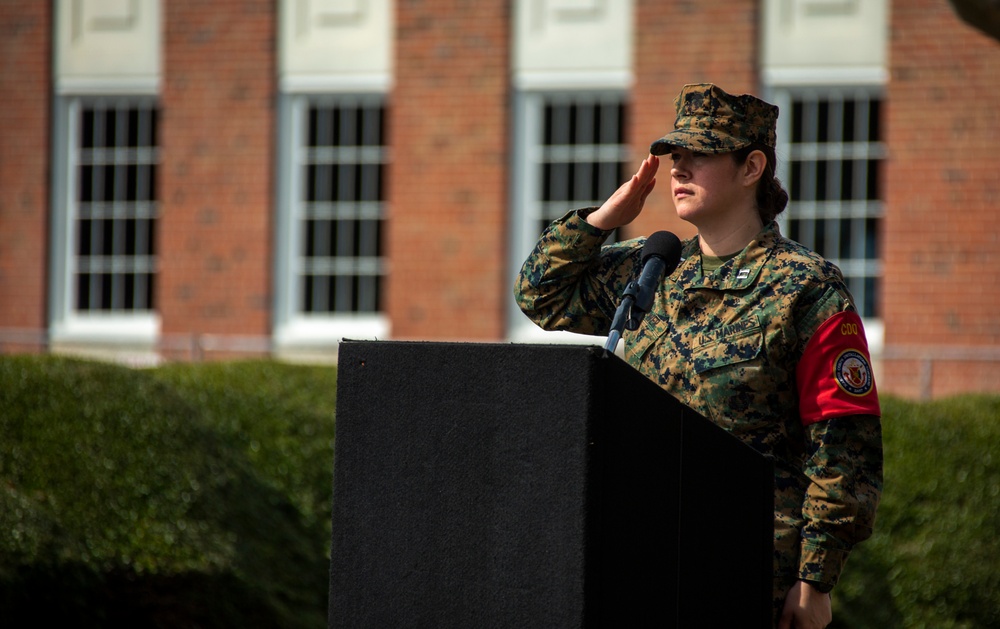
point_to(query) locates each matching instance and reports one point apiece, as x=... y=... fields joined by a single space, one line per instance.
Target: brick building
x=188 y=180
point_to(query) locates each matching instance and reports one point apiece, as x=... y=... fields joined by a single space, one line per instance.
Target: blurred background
x=187 y=180
x=225 y=190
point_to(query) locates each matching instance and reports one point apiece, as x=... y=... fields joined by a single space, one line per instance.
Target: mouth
x=681 y=192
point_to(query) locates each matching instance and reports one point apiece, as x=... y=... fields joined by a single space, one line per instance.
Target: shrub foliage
x=181 y=496
x=934 y=559
x=199 y=495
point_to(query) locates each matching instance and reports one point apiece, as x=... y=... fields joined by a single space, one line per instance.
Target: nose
x=679 y=167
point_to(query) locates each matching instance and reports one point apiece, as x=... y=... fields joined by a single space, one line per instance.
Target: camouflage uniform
x=728 y=345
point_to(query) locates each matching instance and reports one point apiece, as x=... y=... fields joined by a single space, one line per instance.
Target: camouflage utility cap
x=711 y=121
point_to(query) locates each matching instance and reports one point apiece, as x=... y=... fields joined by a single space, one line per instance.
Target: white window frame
x=68 y=325
x=293 y=328
x=528 y=210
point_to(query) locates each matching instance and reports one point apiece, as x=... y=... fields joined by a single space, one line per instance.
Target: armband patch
x=835 y=373
x=853 y=373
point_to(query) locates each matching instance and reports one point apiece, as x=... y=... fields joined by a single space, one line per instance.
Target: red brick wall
x=447 y=183
x=25 y=86
x=216 y=174
x=679 y=43
x=941 y=289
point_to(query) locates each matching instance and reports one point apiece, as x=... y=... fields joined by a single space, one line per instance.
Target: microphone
x=660 y=256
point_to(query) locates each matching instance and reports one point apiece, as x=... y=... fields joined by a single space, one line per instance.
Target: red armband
x=835 y=373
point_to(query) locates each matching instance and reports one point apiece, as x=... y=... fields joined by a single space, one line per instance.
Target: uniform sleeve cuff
x=577 y=219
x=821 y=565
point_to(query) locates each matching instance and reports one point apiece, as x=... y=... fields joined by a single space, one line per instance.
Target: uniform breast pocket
x=736 y=349
x=654 y=329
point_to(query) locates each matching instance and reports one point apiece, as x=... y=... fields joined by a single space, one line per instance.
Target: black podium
x=514 y=486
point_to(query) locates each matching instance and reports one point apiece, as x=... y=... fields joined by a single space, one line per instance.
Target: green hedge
x=191 y=495
x=934 y=560
x=199 y=495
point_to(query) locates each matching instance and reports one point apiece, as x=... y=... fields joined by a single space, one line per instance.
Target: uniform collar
x=736 y=274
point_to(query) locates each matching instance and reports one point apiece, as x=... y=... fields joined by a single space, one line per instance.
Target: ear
x=753 y=168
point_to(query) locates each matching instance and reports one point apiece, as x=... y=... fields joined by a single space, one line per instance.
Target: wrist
x=822 y=588
x=599 y=219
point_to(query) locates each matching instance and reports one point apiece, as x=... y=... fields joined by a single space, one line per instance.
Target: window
x=104 y=219
x=114 y=258
x=579 y=153
x=832 y=150
x=570 y=153
x=334 y=198
x=341 y=212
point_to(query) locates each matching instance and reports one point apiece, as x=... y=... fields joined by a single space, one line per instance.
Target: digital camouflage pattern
x=727 y=345
x=709 y=120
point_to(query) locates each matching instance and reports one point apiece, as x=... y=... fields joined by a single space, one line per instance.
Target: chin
x=686 y=214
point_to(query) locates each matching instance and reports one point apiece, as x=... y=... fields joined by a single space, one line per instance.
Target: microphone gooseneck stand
x=660 y=256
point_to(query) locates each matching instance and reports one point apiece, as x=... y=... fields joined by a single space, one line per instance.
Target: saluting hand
x=627 y=201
